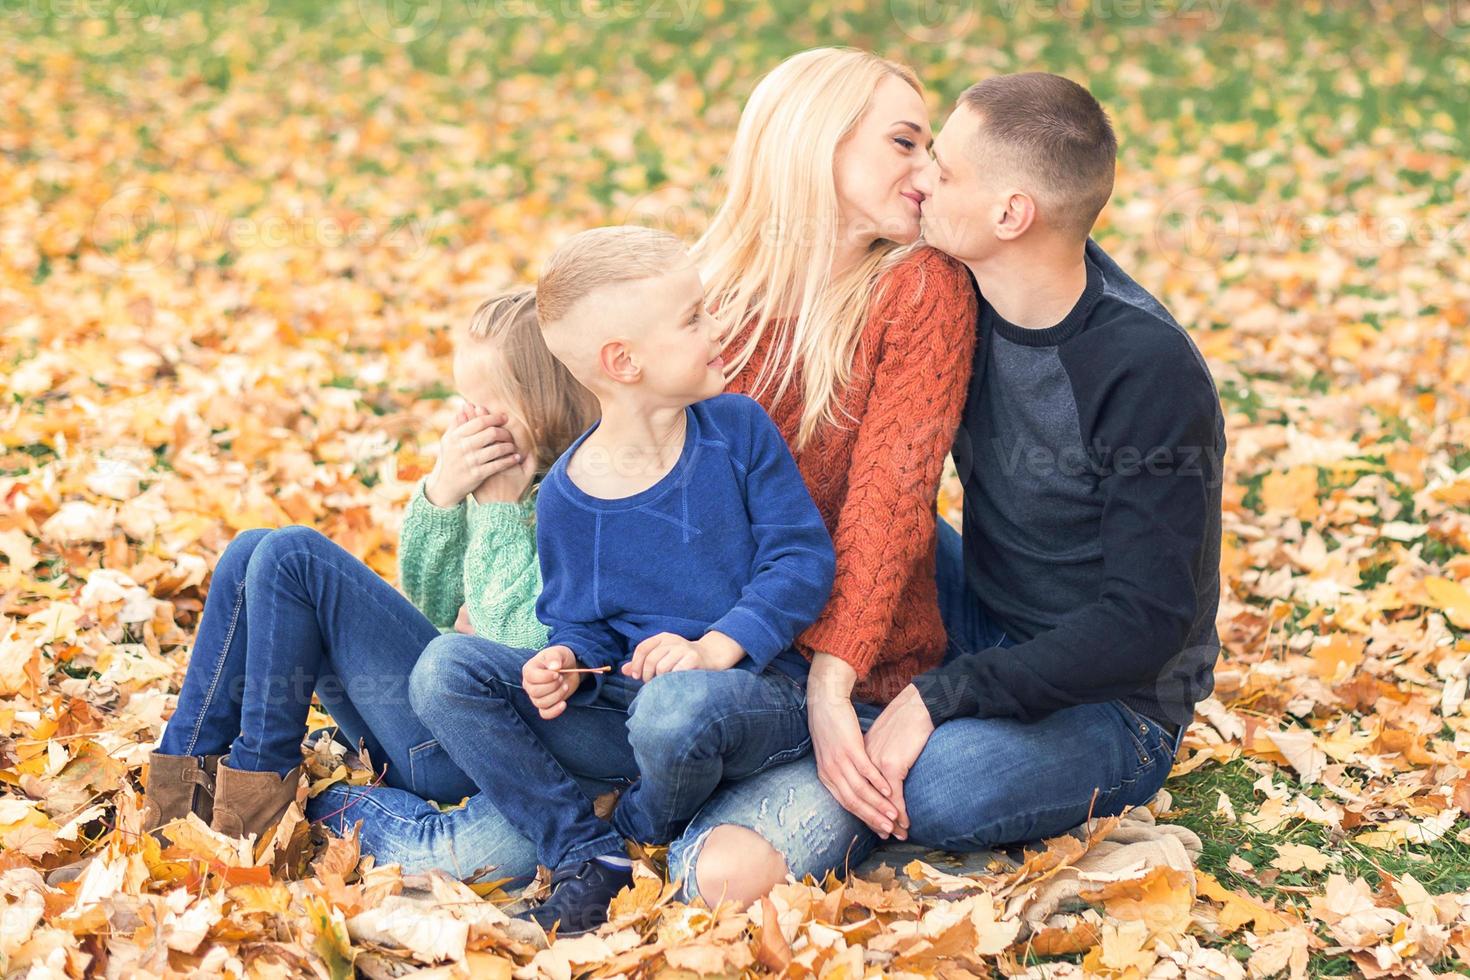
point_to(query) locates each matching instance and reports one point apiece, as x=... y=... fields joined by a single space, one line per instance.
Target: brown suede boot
x=248 y=803
x=177 y=786
x=204 y=799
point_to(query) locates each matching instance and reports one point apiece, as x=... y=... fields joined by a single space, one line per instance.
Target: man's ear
x=617 y=361
x=1018 y=215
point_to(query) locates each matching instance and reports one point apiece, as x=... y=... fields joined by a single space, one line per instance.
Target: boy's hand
x=547 y=689
x=663 y=653
x=476 y=447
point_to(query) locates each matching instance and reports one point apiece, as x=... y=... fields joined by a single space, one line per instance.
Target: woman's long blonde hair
x=769 y=249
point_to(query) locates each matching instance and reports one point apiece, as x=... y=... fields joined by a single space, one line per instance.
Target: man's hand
x=548 y=689
x=462 y=621
x=663 y=653
x=843 y=765
x=894 y=743
x=476 y=447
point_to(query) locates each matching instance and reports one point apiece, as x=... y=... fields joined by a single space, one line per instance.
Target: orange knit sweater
x=876 y=481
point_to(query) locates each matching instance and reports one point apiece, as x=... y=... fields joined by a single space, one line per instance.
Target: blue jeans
x=1041 y=781
x=288 y=613
x=979 y=783
x=673 y=739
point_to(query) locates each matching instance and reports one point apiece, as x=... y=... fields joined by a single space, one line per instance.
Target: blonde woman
x=859 y=342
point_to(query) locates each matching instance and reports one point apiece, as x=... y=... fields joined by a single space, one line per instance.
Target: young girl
x=289 y=613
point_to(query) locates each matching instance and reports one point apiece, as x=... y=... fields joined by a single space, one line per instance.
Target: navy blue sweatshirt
x=1091 y=455
x=729 y=540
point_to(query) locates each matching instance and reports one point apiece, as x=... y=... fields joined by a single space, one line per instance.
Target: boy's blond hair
x=600 y=257
x=557 y=408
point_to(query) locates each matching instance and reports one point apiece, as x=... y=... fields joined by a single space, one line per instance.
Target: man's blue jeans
x=979 y=783
x=674 y=739
x=288 y=613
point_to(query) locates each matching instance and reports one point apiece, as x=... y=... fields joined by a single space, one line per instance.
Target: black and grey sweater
x=1091 y=456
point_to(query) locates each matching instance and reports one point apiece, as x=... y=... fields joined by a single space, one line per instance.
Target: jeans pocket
x=1138 y=732
x=420 y=759
x=790 y=720
x=789 y=754
x=797 y=686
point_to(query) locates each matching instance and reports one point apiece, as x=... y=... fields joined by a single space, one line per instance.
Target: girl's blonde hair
x=769 y=249
x=557 y=408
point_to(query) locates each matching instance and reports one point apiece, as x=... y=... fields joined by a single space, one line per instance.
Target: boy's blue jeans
x=288 y=613
x=672 y=740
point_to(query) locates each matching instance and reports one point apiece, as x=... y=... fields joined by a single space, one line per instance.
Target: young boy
x=680 y=553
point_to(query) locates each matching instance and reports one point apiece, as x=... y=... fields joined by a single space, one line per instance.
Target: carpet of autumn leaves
x=232 y=240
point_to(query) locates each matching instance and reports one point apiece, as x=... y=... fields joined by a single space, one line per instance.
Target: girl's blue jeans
x=979 y=783
x=290 y=613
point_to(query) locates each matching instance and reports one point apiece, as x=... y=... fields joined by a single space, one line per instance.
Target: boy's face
x=963 y=202
x=675 y=342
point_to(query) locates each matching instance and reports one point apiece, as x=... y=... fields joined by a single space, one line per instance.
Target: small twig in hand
x=581 y=670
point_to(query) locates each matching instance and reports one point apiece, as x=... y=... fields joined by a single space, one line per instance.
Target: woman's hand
x=895 y=741
x=837 y=741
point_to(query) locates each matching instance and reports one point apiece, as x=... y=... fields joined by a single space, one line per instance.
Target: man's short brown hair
x=1050 y=130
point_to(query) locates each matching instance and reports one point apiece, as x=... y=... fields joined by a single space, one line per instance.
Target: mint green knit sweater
x=482 y=556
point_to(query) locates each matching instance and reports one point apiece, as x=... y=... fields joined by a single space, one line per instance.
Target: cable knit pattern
x=876 y=481
x=480 y=555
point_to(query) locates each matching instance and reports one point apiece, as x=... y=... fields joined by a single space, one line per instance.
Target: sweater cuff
x=946 y=695
x=754 y=636
x=829 y=636
x=434 y=517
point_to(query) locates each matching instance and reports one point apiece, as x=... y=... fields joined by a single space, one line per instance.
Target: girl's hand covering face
x=476 y=447
x=507 y=485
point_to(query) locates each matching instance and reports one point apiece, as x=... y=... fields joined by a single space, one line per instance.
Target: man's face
x=963 y=201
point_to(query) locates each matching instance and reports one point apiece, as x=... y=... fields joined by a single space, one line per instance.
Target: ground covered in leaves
x=231 y=243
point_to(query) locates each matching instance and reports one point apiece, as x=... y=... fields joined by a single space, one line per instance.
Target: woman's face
x=876 y=164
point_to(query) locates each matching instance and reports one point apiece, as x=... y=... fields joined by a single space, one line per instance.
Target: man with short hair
x=1081 y=603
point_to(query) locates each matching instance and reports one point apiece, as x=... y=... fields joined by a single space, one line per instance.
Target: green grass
x=1443 y=866
x=1349 y=61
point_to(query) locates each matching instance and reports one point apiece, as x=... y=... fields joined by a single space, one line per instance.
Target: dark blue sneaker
x=580 y=894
